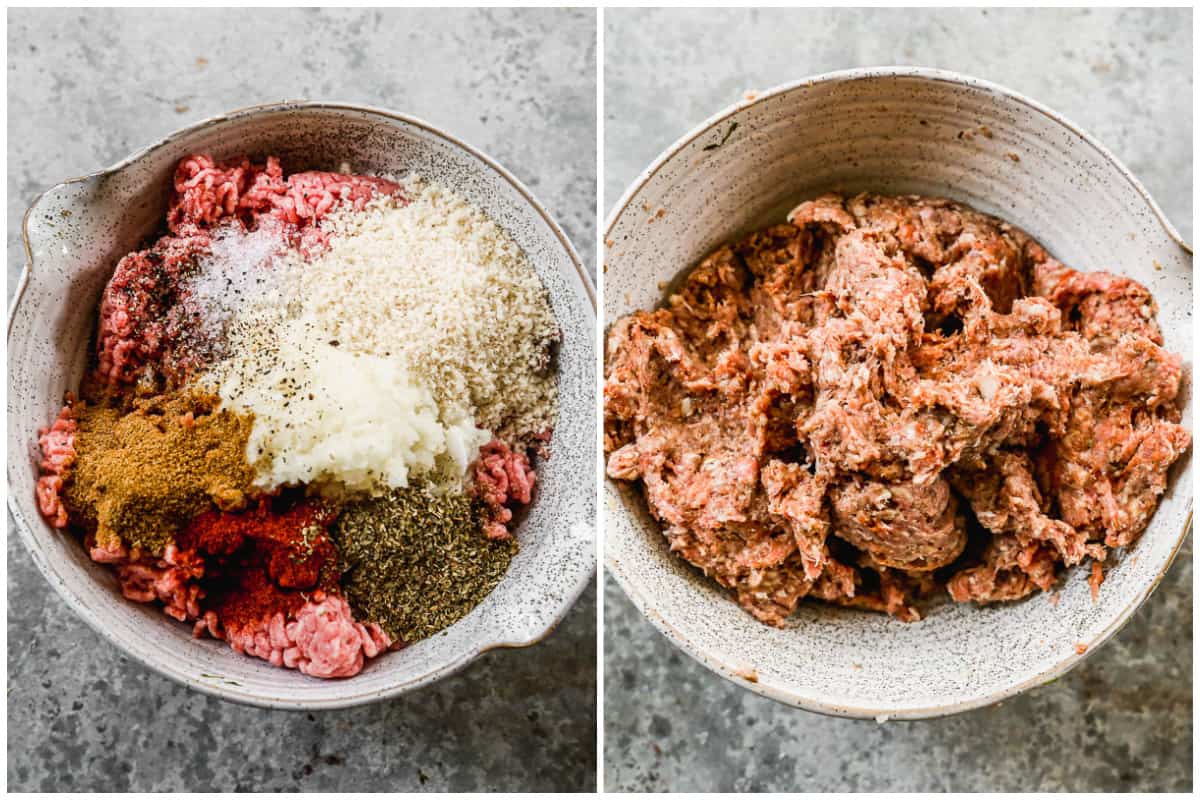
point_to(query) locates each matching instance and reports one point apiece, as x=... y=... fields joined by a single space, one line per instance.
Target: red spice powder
x=262 y=561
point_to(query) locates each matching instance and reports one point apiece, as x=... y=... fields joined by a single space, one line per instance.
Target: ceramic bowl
x=76 y=232
x=892 y=130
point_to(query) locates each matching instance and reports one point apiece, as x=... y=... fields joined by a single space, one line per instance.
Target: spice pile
x=312 y=414
x=414 y=560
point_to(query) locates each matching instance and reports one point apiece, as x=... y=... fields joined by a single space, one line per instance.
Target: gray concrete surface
x=87 y=88
x=1121 y=721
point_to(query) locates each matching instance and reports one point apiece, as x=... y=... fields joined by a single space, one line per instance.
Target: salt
x=242 y=272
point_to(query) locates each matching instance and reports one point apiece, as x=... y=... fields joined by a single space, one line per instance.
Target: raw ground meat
x=222 y=577
x=206 y=191
x=502 y=478
x=134 y=307
x=136 y=330
x=891 y=398
x=57 y=444
x=318 y=637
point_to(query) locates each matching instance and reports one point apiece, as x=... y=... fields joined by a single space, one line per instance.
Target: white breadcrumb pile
x=399 y=351
x=437 y=284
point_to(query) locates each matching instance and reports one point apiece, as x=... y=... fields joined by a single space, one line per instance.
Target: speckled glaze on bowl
x=892 y=130
x=76 y=232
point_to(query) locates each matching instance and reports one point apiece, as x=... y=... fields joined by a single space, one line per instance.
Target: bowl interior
x=891 y=131
x=78 y=231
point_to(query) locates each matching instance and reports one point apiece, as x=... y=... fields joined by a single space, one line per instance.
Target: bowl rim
x=219 y=688
x=932 y=74
x=737 y=674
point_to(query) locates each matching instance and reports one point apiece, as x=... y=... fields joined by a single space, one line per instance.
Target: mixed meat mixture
x=890 y=398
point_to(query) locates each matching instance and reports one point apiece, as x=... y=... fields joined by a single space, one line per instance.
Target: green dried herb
x=415 y=562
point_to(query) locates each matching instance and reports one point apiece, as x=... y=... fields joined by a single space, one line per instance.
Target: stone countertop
x=1122 y=720
x=88 y=88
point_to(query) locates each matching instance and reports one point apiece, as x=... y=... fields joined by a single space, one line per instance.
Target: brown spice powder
x=143 y=471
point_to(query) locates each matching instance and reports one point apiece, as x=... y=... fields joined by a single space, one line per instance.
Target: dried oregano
x=416 y=561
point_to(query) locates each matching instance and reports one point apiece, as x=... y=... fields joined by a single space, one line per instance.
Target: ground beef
x=136 y=330
x=135 y=305
x=320 y=638
x=57 y=444
x=172 y=579
x=206 y=191
x=903 y=524
x=891 y=398
x=502 y=478
x=317 y=635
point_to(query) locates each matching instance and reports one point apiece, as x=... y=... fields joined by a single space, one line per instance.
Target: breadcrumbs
x=452 y=296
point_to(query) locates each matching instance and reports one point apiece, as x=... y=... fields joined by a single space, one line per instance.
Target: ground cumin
x=143 y=471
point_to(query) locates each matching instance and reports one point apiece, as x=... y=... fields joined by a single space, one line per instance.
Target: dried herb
x=415 y=561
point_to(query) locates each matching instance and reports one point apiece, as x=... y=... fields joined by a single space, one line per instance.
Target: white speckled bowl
x=76 y=232
x=891 y=130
